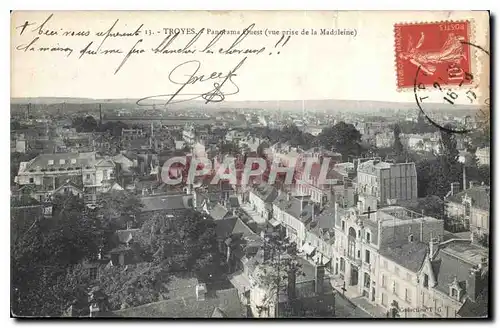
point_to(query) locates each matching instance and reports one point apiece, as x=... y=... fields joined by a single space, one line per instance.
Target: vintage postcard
x=259 y=164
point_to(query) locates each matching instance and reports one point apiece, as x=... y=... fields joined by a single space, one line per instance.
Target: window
x=367 y=256
x=426 y=280
x=407 y=295
x=342 y=264
x=359 y=253
x=396 y=270
x=368 y=237
x=367 y=280
x=343 y=225
x=384 y=281
x=410 y=238
x=62 y=161
x=395 y=288
x=51 y=162
x=32 y=180
x=454 y=292
x=73 y=161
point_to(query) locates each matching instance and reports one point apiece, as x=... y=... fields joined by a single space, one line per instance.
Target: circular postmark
x=434 y=97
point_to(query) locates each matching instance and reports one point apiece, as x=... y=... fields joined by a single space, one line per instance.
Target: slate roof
x=293 y=207
x=409 y=255
x=130 y=155
x=42 y=161
x=166 y=202
x=233 y=201
x=477 y=309
x=266 y=192
x=480 y=196
x=226 y=301
x=219 y=212
x=69 y=184
x=228 y=227
x=450 y=262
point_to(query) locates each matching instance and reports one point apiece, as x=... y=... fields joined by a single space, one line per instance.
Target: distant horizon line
x=76 y=100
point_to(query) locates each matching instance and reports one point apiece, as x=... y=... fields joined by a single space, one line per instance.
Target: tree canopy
x=46 y=250
x=184 y=244
x=85 y=124
x=343 y=138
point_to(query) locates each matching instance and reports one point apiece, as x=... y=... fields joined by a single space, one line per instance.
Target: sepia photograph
x=250 y=164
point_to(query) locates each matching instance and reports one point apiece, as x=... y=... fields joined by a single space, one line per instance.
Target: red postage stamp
x=437 y=51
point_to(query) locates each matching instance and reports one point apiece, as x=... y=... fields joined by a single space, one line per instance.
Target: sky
x=350 y=67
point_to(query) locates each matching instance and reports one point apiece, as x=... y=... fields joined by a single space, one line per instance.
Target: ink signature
x=190 y=70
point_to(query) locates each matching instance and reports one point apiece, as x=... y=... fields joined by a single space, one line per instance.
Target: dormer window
x=73 y=161
x=410 y=238
x=426 y=280
x=455 y=290
x=368 y=237
x=51 y=162
x=62 y=162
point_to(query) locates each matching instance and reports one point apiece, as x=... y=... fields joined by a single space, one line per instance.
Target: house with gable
x=453 y=282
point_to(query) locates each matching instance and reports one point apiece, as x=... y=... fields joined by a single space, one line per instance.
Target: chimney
x=473 y=283
x=455 y=187
x=319 y=279
x=201 y=291
x=433 y=247
x=288 y=196
x=471 y=184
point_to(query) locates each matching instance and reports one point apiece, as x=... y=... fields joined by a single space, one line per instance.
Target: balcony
x=352 y=258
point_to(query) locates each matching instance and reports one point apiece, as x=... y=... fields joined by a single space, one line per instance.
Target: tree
x=229 y=148
x=46 y=251
x=449 y=165
x=398 y=148
x=85 y=124
x=428 y=177
x=138 y=285
x=187 y=243
x=15 y=125
x=430 y=206
x=342 y=137
x=261 y=148
x=115 y=128
x=117 y=207
x=279 y=272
